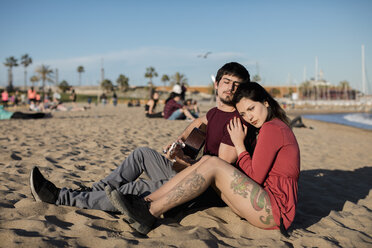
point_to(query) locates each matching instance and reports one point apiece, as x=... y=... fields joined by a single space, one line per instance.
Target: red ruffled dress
x=275 y=165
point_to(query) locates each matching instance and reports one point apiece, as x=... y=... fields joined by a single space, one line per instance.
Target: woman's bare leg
x=187 y=113
x=164 y=190
x=242 y=194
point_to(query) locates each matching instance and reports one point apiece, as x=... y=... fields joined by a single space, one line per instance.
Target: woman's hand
x=237 y=132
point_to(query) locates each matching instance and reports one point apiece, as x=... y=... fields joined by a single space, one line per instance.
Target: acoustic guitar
x=193 y=144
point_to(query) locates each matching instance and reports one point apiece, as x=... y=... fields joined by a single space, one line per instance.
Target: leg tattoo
x=187 y=188
x=243 y=186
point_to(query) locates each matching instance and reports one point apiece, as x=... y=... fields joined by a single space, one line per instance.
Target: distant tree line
x=45 y=74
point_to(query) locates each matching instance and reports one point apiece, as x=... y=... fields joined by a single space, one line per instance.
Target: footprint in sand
x=15 y=157
x=60 y=223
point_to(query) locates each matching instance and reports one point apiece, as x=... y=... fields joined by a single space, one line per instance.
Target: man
x=158 y=167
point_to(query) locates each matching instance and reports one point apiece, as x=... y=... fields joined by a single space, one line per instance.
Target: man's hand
x=167 y=148
x=180 y=160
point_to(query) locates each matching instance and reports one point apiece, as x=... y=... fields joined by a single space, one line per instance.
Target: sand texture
x=74 y=148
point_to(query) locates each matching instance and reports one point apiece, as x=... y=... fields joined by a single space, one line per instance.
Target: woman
x=5 y=97
x=6 y=115
x=262 y=190
x=151 y=105
x=173 y=110
x=73 y=97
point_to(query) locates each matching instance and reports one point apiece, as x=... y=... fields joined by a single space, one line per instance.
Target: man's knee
x=139 y=151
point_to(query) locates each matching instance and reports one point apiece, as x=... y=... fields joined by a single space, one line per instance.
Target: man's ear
x=215 y=85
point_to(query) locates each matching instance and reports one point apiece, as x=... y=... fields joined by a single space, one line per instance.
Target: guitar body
x=195 y=142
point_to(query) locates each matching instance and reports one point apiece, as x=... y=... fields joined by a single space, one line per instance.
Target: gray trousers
x=125 y=179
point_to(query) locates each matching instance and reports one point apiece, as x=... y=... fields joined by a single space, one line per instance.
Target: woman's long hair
x=257 y=93
x=171 y=96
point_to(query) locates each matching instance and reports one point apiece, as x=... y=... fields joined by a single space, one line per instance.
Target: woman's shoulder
x=275 y=124
x=277 y=128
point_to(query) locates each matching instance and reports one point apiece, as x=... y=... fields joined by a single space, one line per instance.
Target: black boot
x=135 y=210
x=41 y=189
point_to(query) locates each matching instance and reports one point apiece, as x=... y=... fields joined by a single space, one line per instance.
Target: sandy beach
x=335 y=196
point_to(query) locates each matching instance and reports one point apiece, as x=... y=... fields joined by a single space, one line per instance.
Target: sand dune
x=74 y=148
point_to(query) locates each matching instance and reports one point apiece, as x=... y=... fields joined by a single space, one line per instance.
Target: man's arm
x=196 y=123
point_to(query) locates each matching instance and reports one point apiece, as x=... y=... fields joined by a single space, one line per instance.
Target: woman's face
x=156 y=96
x=255 y=113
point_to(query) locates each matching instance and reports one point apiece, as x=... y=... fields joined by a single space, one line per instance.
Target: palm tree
x=123 y=82
x=34 y=79
x=107 y=85
x=165 y=79
x=178 y=78
x=10 y=62
x=80 y=70
x=26 y=61
x=150 y=73
x=64 y=86
x=45 y=74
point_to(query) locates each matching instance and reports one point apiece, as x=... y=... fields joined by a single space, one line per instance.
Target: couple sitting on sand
x=174 y=109
x=251 y=160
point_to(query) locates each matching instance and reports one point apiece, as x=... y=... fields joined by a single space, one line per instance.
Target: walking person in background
x=31 y=95
x=103 y=99
x=73 y=97
x=114 y=99
x=16 y=98
x=5 y=97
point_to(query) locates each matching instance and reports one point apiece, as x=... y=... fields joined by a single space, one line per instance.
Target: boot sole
x=127 y=216
x=33 y=191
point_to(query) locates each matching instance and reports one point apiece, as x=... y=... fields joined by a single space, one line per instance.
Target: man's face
x=227 y=87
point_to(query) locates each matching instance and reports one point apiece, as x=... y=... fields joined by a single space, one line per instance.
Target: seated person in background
x=6 y=115
x=103 y=99
x=192 y=106
x=37 y=106
x=173 y=110
x=151 y=105
x=297 y=122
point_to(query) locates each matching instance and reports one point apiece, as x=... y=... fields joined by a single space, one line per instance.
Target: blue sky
x=279 y=38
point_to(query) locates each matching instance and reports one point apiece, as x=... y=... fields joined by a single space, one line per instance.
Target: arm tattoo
x=187 y=188
x=244 y=186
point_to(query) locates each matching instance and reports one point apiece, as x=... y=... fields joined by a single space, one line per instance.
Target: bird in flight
x=204 y=55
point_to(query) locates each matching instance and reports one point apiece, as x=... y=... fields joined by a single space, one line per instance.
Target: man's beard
x=227 y=101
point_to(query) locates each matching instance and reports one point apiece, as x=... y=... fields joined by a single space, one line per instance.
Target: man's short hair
x=233 y=69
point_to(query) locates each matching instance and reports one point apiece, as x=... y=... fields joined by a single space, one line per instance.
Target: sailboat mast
x=364 y=90
x=316 y=68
